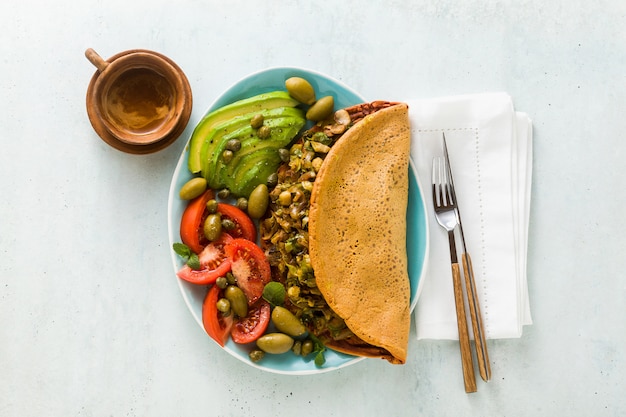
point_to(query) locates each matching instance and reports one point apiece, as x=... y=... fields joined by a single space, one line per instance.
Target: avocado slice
x=236 y=128
x=227 y=170
x=253 y=104
x=282 y=132
x=253 y=170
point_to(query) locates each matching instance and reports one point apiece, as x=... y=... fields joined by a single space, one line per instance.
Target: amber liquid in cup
x=140 y=101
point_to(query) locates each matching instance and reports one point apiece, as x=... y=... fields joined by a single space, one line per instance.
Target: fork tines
x=442 y=193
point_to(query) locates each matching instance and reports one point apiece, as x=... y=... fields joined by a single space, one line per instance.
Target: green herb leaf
x=274 y=293
x=318 y=347
x=320 y=359
x=193 y=262
x=182 y=250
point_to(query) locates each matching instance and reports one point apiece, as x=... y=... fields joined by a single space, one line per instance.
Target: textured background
x=91 y=319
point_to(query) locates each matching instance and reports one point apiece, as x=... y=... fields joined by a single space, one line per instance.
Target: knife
x=480 y=340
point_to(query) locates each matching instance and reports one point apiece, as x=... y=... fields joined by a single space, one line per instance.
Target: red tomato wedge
x=250 y=267
x=213 y=262
x=250 y=328
x=244 y=227
x=191 y=222
x=216 y=325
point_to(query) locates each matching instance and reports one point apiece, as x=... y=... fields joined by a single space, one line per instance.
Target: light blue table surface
x=92 y=322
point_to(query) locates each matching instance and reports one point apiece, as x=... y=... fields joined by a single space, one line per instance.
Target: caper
x=256 y=355
x=223 y=305
x=321 y=137
x=297 y=348
x=257 y=121
x=293 y=292
x=272 y=180
x=211 y=206
x=301 y=90
x=258 y=201
x=228 y=224
x=322 y=109
x=230 y=278
x=238 y=300
x=284 y=154
x=284 y=198
x=286 y=322
x=316 y=164
x=212 y=226
x=276 y=343
x=221 y=282
x=227 y=155
x=264 y=132
x=233 y=145
x=320 y=147
x=192 y=188
x=224 y=193
x=307 y=347
x=242 y=203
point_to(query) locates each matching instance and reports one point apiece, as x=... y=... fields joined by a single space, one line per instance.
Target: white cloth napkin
x=490 y=149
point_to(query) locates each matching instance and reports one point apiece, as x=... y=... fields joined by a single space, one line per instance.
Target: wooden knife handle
x=484 y=368
x=466 y=352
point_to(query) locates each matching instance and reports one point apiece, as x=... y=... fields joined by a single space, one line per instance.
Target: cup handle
x=96 y=59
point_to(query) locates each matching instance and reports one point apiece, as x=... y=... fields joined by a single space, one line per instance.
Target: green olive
x=213 y=226
x=238 y=300
x=258 y=201
x=257 y=121
x=322 y=109
x=192 y=188
x=301 y=90
x=286 y=322
x=275 y=343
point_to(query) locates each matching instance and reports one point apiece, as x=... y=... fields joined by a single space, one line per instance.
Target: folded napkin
x=490 y=149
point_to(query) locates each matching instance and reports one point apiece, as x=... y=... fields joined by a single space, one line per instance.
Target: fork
x=480 y=340
x=445 y=212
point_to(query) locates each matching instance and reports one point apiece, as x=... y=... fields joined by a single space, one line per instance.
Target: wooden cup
x=139 y=97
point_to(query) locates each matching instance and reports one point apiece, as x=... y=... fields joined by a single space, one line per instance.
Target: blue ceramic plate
x=417 y=232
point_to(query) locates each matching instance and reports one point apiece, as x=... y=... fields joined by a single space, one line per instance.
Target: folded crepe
x=357 y=234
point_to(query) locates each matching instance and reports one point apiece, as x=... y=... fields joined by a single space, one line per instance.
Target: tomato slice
x=215 y=324
x=213 y=262
x=191 y=231
x=192 y=222
x=250 y=267
x=250 y=328
x=244 y=227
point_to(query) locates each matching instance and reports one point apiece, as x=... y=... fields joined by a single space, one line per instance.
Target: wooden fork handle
x=484 y=368
x=469 y=378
